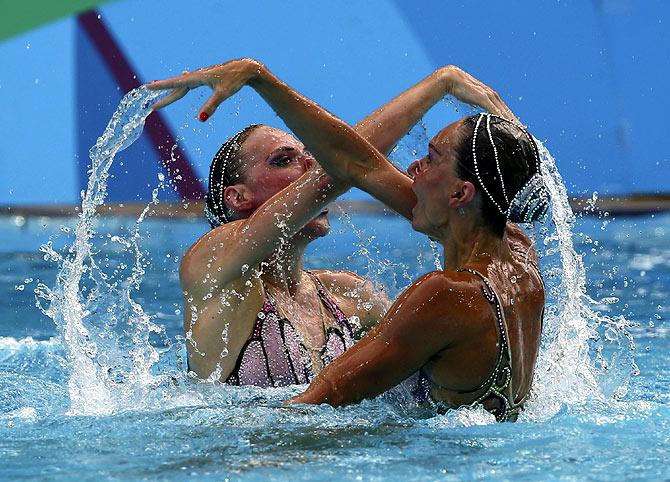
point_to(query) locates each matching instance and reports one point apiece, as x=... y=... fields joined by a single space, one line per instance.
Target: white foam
x=23 y=414
x=8 y=343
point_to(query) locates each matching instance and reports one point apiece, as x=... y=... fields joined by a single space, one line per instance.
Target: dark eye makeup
x=284 y=156
x=280 y=160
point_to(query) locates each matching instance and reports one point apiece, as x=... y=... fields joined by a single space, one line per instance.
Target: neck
x=467 y=243
x=284 y=268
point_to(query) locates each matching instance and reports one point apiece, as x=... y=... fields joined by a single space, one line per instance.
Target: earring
x=461 y=212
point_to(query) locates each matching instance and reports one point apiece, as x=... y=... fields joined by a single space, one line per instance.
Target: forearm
x=337 y=146
x=321 y=390
x=275 y=222
x=373 y=365
x=340 y=383
x=384 y=127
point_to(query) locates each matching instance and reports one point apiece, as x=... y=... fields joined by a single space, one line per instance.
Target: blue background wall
x=586 y=76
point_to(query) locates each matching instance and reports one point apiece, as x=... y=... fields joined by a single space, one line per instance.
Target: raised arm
x=352 y=162
x=348 y=157
x=384 y=127
x=249 y=241
x=387 y=125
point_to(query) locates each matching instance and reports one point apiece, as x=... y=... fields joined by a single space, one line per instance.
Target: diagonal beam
x=173 y=158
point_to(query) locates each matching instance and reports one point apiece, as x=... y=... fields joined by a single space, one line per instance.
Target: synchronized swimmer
x=472 y=330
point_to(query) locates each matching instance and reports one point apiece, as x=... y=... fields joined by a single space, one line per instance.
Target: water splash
x=105 y=332
x=572 y=367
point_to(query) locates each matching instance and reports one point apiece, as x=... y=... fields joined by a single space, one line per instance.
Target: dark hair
x=225 y=170
x=505 y=169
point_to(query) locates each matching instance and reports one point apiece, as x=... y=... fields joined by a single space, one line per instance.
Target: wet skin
x=442 y=324
x=273 y=161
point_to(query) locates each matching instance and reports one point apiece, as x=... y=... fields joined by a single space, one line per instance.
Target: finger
x=185 y=80
x=174 y=96
x=209 y=107
x=497 y=102
x=491 y=106
x=172 y=83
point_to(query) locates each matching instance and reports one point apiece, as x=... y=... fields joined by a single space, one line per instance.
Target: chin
x=417 y=226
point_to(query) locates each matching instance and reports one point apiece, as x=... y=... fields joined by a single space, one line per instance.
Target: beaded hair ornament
x=216 y=213
x=531 y=203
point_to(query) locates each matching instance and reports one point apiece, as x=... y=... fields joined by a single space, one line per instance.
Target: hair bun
x=531 y=203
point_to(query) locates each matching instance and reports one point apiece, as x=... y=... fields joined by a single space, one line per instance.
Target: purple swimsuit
x=274 y=355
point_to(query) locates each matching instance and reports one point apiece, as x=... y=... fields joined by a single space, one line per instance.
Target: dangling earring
x=461 y=212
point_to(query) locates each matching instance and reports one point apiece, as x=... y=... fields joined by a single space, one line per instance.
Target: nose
x=307 y=161
x=416 y=167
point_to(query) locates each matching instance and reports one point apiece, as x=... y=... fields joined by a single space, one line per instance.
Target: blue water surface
x=177 y=428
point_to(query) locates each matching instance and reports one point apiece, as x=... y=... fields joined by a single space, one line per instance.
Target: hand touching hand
x=467 y=89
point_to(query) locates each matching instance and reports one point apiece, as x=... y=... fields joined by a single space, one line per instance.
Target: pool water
x=91 y=384
x=178 y=428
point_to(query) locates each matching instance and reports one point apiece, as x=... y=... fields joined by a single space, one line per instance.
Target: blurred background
x=587 y=77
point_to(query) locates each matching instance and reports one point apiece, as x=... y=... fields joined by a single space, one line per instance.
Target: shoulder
x=438 y=310
x=441 y=288
x=351 y=286
x=516 y=235
x=450 y=301
x=355 y=295
x=339 y=281
x=204 y=251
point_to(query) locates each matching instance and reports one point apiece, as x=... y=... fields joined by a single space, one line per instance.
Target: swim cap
x=531 y=202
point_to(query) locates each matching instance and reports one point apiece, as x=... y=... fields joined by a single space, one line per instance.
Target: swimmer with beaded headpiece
x=472 y=330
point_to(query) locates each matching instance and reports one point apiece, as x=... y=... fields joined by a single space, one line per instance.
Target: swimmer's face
x=273 y=159
x=439 y=191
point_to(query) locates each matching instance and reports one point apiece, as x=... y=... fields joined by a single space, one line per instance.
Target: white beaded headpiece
x=228 y=150
x=531 y=202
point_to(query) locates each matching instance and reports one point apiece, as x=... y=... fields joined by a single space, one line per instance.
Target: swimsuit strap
x=329 y=303
x=498 y=397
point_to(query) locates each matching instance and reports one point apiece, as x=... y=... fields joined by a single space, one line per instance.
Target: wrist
x=445 y=76
x=256 y=72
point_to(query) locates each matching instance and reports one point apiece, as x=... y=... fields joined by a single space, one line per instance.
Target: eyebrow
x=431 y=146
x=280 y=149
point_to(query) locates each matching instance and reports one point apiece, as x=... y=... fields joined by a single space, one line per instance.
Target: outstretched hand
x=467 y=89
x=224 y=80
